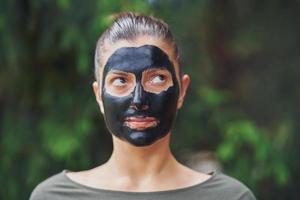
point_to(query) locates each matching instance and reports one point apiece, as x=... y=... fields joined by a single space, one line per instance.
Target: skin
x=139 y=94
x=141 y=169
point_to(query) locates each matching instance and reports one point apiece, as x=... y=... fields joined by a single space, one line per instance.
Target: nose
x=139 y=101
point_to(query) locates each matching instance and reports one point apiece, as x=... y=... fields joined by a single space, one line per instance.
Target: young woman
x=139 y=88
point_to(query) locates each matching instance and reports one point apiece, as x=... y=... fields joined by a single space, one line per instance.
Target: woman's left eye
x=158 y=79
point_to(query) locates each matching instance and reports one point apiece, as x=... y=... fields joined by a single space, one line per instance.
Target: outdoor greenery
x=243 y=103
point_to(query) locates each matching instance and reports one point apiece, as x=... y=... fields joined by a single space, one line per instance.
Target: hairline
x=174 y=57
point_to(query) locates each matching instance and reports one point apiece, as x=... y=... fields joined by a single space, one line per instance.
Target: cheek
x=115 y=106
x=165 y=102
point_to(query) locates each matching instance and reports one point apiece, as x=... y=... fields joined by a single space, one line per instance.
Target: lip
x=140 y=123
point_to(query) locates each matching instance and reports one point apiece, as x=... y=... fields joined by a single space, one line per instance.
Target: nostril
x=144 y=107
x=139 y=107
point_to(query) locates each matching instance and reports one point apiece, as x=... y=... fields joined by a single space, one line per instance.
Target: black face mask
x=162 y=106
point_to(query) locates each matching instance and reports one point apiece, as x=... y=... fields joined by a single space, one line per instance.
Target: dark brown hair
x=128 y=26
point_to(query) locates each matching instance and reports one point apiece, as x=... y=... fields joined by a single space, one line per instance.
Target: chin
x=141 y=139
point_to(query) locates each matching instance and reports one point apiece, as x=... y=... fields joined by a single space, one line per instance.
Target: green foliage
x=243 y=137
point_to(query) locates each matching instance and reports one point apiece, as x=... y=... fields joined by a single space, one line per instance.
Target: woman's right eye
x=119 y=82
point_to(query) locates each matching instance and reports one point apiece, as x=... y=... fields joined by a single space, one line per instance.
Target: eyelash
x=121 y=79
x=160 y=76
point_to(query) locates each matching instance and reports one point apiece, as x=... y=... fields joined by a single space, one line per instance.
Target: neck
x=138 y=163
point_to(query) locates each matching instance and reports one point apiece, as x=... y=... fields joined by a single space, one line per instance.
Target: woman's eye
x=119 y=82
x=158 y=79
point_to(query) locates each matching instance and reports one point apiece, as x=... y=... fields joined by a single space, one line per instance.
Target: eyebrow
x=119 y=72
x=156 y=68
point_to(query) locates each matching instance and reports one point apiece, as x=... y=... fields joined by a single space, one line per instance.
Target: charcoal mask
x=140 y=103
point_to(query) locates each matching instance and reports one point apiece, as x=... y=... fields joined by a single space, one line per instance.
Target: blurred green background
x=243 y=103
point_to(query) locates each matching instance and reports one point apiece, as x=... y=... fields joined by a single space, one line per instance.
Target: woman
x=139 y=88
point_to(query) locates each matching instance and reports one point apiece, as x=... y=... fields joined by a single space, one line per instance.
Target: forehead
x=110 y=49
x=138 y=59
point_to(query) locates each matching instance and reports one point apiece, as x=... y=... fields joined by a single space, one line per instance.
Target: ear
x=97 y=93
x=185 y=82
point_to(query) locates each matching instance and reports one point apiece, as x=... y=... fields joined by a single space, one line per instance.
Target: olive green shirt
x=218 y=186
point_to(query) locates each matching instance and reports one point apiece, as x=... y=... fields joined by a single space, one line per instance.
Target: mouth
x=140 y=123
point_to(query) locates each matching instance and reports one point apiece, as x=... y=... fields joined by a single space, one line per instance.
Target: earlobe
x=185 y=81
x=97 y=93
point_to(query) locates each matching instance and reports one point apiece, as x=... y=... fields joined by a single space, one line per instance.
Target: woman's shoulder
x=53 y=183
x=229 y=187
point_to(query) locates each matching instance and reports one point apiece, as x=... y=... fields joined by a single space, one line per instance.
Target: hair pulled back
x=128 y=26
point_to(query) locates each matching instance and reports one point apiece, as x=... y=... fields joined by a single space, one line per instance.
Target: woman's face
x=139 y=90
